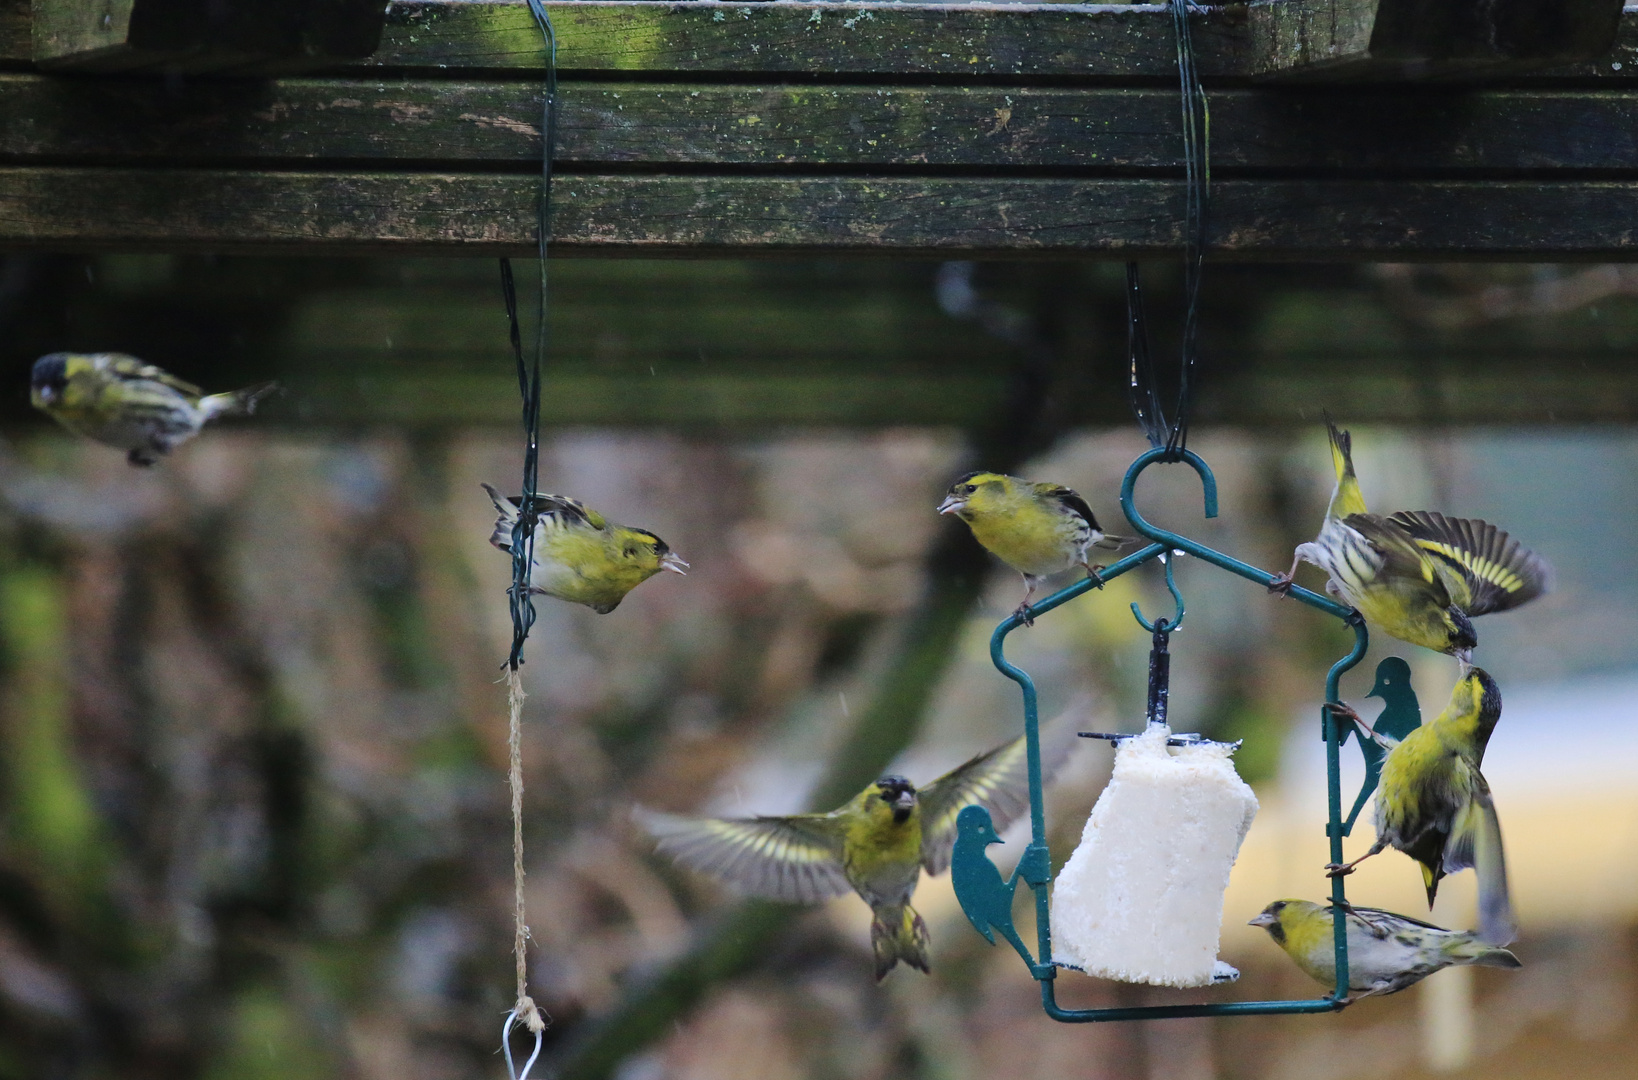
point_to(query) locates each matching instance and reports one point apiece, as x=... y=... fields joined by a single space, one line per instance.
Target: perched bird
x=876 y=844
x=579 y=555
x=1037 y=529
x=1434 y=804
x=1386 y=952
x=1419 y=575
x=117 y=399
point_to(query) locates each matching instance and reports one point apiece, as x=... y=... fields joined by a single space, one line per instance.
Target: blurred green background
x=252 y=747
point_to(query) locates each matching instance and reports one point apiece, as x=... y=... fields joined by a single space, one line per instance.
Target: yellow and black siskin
x=1419 y=575
x=1386 y=952
x=579 y=555
x=1434 y=805
x=119 y=400
x=876 y=845
x=1037 y=529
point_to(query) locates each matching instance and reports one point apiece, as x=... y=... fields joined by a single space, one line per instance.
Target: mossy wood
x=723 y=128
x=203 y=35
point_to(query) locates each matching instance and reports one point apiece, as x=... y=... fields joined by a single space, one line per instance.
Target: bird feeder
x=976 y=879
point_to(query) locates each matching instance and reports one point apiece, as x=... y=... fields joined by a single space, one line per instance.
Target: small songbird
x=580 y=556
x=1386 y=952
x=876 y=844
x=1037 y=529
x=1435 y=806
x=119 y=400
x=1419 y=575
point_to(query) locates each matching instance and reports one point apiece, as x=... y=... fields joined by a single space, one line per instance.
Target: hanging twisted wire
x=524 y=1009
x=1144 y=394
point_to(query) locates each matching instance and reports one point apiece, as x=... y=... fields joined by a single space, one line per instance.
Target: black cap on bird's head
x=50 y=377
x=1462 y=636
x=898 y=793
x=1269 y=919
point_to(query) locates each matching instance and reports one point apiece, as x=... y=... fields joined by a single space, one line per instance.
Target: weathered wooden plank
x=16 y=42
x=471 y=214
x=960 y=40
x=202 y=35
x=1062 y=42
x=613 y=124
x=1334 y=40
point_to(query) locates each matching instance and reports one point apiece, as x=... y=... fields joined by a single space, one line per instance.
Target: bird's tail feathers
x=898 y=933
x=238 y=402
x=1476 y=841
x=1430 y=879
x=1346 y=499
x=1115 y=543
x=508 y=510
x=1468 y=949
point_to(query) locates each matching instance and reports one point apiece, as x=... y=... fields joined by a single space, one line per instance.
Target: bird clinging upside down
x=579 y=555
x=1417 y=574
x=876 y=844
x=118 y=400
x=1435 y=806
x=1037 y=529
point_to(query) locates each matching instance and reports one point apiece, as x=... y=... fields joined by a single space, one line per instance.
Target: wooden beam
x=485 y=214
x=203 y=35
x=711 y=128
x=460 y=125
x=1331 y=40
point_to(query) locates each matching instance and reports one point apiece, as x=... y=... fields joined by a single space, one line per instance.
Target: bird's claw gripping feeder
x=987 y=899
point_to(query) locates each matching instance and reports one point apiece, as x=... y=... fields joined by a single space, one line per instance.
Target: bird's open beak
x=905 y=801
x=46 y=395
x=1464 y=662
x=952 y=505
x=670 y=562
x=1264 y=919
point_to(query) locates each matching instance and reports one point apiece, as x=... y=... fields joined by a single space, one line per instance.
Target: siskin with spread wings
x=1386 y=952
x=119 y=400
x=876 y=845
x=1417 y=574
x=1037 y=529
x=580 y=556
x=1435 y=806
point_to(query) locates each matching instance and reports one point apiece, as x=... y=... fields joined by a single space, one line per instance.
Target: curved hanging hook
x=1129 y=484
x=1177 y=597
x=1175 y=542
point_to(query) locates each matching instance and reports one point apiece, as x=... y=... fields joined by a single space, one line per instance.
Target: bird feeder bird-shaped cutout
x=987 y=898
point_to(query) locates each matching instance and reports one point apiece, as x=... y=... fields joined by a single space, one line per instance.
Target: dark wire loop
x=523 y=531
x=1145 y=397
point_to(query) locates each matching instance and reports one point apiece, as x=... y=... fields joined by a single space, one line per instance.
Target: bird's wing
x=1475 y=840
x=129 y=369
x=1484 y=569
x=796 y=858
x=1068 y=498
x=554 y=509
x=1386 y=916
x=997 y=780
x=1402 y=558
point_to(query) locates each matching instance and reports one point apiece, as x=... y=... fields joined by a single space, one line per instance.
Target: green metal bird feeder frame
x=971 y=870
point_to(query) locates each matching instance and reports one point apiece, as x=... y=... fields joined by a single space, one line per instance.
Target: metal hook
x=1128 y=485
x=506 y=1047
x=1177 y=597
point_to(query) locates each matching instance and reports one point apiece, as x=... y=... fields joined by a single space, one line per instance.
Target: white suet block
x=1141 y=899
